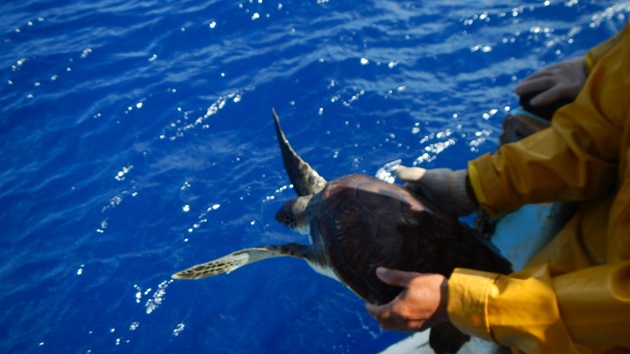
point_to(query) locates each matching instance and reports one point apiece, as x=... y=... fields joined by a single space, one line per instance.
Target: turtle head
x=294 y=215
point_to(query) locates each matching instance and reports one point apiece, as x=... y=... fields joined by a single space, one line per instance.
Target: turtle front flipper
x=305 y=179
x=235 y=260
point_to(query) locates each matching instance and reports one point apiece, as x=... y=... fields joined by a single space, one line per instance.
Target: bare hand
x=554 y=83
x=421 y=305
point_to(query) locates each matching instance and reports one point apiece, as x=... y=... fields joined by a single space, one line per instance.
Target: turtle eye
x=286 y=216
x=284 y=219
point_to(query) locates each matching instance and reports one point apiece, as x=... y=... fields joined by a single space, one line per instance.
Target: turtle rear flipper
x=241 y=258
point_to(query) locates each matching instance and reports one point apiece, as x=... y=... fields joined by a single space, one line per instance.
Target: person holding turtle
x=574 y=295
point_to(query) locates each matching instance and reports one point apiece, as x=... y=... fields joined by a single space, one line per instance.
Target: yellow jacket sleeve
x=577 y=158
x=573 y=297
x=536 y=311
x=592 y=56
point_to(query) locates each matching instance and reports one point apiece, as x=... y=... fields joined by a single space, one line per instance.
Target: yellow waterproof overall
x=574 y=296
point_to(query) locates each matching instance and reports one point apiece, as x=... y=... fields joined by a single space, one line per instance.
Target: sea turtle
x=357 y=223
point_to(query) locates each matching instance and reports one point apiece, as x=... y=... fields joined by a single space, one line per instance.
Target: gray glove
x=443 y=186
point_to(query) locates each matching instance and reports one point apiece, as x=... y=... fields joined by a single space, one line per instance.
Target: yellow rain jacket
x=573 y=297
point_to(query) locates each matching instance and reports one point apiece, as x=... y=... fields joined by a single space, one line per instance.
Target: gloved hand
x=443 y=186
x=562 y=81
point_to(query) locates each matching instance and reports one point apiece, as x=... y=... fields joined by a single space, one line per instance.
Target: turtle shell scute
x=366 y=223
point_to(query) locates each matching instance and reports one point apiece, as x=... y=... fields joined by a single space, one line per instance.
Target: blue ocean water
x=137 y=140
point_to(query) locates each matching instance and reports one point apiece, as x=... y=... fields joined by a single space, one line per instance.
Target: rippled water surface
x=137 y=140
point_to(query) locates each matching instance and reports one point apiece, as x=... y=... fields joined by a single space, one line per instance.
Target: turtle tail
x=241 y=258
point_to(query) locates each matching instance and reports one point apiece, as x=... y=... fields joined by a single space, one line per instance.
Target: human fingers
x=414 y=178
x=550 y=96
x=393 y=315
x=380 y=312
x=410 y=174
x=533 y=85
x=396 y=316
x=395 y=277
x=547 y=71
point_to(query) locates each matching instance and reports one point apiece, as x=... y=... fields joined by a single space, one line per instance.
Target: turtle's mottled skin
x=358 y=223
